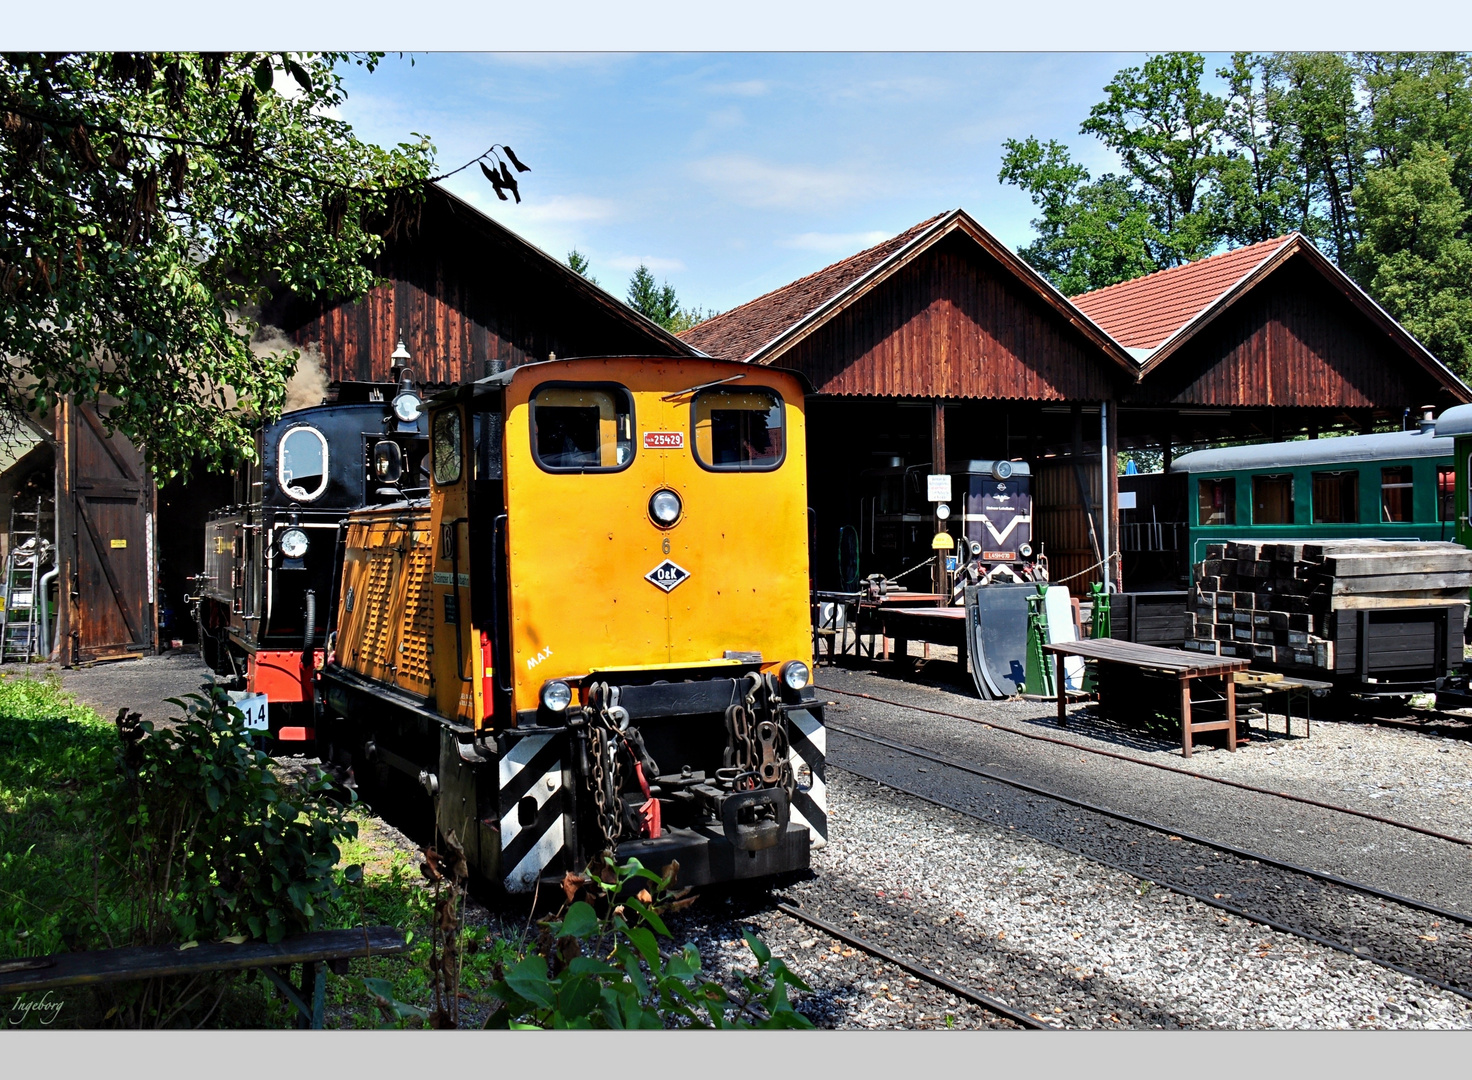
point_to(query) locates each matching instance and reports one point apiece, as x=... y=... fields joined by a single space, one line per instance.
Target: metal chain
x=606 y=776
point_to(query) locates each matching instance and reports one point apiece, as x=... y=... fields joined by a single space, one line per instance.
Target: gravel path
x=1048 y=932
x=1431 y=870
x=141 y=685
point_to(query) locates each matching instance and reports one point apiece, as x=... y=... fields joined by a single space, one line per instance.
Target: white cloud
x=653 y=262
x=561 y=208
x=834 y=242
x=751 y=182
x=747 y=88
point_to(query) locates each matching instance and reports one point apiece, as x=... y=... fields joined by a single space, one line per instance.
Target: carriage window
x=739 y=429
x=582 y=428
x=1272 y=499
x=1396 y=490
x=1336 y=497
x=303 y=466
x=1216 y=502
x=1446 y=493
x=447 y=446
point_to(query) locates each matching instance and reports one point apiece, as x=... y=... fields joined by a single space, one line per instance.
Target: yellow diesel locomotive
x=593 y=634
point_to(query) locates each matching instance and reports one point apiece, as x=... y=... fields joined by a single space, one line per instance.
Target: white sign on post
x=938 y=487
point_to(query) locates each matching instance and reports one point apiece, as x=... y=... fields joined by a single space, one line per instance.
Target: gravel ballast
x=1047 y=932
x=1424 y=868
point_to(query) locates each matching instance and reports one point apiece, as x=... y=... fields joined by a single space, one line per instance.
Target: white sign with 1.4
x=255 y=708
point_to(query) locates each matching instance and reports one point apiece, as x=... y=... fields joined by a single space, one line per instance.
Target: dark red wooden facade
x=466 y=292
x=1294 y=340
x=953 y=323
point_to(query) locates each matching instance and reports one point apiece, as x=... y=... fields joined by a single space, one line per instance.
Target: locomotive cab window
x=1216 y=501
x=739 y=430
x=446 y=447
x=302 y=469
x=582 y=428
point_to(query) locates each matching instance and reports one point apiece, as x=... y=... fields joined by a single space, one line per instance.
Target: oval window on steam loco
x=739 y=430
x=303 y=463
x=447 y=446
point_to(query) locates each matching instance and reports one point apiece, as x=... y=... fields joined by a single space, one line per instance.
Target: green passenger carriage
x=1393 y=486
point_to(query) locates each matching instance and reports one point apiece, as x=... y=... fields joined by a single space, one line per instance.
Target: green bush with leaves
x=591 y=970
x=210 y=844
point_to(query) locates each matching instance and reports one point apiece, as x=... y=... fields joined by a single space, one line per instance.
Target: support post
x=1062 y=692
x=1185 y=716
x=938 y=465
x=1231 y=681
x=66 y=535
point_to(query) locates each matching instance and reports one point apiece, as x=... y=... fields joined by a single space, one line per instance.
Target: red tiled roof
x=740 y=332
x=1144 y=312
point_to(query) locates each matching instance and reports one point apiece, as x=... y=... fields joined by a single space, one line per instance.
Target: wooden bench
x=332 y=947
x=1259 y=689
x=1183 y=665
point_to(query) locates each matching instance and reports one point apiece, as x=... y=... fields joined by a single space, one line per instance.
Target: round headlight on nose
x=293 y=543
x=795 y=674
x=556 y=695
x=664 y=507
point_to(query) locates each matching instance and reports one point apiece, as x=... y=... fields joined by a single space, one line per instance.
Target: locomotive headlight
x=976 y=547
x=406 y=407
x=1025 y=550
x=795 y=674
x=664 y=507
x=293 y=543
x=556 y=695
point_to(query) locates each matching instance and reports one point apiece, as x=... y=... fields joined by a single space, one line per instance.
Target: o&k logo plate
x=667 y=575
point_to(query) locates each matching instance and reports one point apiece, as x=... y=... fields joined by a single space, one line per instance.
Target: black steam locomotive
x=261 y=602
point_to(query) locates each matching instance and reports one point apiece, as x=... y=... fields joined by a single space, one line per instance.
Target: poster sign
x=938 y=487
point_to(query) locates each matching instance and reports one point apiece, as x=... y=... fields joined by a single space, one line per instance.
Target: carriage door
x=109 y=545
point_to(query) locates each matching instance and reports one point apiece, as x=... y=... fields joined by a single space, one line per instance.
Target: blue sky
x=732 y=174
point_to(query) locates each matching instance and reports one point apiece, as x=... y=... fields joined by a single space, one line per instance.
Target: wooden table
x=937 y=625
x=1183 y=665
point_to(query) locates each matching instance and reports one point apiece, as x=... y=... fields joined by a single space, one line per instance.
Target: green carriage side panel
x=1424 y=452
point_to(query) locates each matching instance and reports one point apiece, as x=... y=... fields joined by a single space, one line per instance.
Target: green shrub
x=587 y=970
x=211 y=846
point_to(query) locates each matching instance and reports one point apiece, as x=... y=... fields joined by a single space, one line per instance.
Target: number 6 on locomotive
x=594 y=634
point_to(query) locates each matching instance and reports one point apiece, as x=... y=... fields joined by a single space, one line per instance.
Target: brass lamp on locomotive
x=593 y=635
x=261 y=603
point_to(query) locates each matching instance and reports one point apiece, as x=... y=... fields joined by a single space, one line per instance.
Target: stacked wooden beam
x=1279 y=603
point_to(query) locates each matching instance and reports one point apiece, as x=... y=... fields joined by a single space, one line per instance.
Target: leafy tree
x=151 y=201
x=1090 y=234
x=579 y=265
x=1259 y=189
x=1416 y=251
x=658 y=303
x=1165 y=129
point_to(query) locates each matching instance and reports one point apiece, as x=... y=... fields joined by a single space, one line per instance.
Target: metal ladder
x=29 y=552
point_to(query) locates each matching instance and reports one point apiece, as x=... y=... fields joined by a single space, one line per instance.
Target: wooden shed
x=941 y=345
x=469 y=297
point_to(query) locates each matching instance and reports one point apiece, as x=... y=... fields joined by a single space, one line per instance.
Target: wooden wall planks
x=955 y=324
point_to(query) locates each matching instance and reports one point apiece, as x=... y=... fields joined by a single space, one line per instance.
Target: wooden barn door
x=107 y=517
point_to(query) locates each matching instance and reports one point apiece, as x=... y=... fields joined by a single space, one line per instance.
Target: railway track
x=1350 y=917
x=920 y=971
x=1086 y=749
